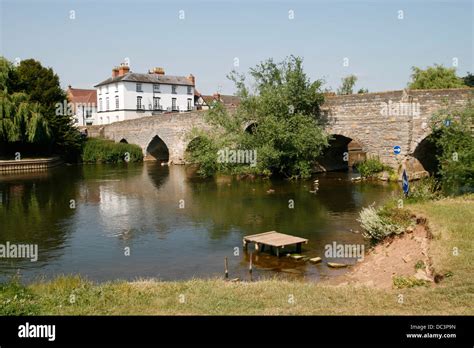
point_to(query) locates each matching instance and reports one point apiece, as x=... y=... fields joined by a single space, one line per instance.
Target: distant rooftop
x=149 y=78
x=82 y=96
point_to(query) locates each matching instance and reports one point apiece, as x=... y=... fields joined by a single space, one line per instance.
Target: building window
x=139 y=103
x=116 y=102
x=100 y=104
x=190 y=105
x=156 y=88
x=173 y=104
x=100 y=90
x=156 y=103
x=107 y=89
x=190 y=90
x=116 y=87
x=107 y=103
x=173 y=89
x=139 y=87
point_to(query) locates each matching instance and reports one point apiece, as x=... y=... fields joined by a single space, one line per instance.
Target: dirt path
x=396 y=256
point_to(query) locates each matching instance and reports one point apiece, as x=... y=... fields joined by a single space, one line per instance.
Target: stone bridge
x=370 y=124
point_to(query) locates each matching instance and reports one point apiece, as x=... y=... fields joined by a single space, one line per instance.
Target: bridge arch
x=157 y=150
x=192 y=143
x=250 y=127
x=123 y=140
x=343 y=153
x=426 y=153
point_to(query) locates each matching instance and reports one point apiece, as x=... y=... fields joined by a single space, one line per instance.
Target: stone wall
x=370 y=119
x=29 y=165
x=366 y=119
x=172 y=128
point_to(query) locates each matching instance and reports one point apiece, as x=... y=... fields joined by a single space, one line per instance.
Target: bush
x=287 y=135
x=378 y=224
x=106 y=151
x=371 y=166
x=456 y=141
x=425 y=189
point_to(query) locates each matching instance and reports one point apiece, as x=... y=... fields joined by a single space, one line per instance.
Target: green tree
x=362 y=91
x=42 y=86
x=21 y=121
x=469 y=79
x=453 y=134
x=284 y=110
x=347 y=85
x=435 y=77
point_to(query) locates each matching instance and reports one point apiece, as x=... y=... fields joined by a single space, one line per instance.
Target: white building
x=127 y=95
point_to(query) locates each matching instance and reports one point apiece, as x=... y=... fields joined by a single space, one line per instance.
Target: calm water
x=138 y=206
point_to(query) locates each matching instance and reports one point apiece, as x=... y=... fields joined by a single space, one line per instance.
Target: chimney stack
x=115 y=72
x=159 y=71
x=192 y=79
x=123 y=69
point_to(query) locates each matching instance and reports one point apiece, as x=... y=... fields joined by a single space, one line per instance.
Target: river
x=136 y=221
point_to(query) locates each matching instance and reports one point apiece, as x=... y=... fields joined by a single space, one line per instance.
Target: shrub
x=456 y=141
x=106 y=151
x=425 y=189
x=377 y=225
x=371 y=166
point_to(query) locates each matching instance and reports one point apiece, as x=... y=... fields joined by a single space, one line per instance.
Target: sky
x=380 y=40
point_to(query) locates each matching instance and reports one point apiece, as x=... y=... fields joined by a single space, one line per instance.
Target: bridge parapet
x=376 y=121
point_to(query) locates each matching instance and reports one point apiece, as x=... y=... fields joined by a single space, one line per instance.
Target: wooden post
x=250 y=267
x=278 y=251
x=226 y=269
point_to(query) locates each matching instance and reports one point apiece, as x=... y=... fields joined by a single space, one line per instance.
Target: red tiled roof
x=82 y=96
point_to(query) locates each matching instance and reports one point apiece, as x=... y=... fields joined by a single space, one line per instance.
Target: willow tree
x=21 y=121
x=31 y=94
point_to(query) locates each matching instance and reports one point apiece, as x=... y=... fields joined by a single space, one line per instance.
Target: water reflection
x=175 y=224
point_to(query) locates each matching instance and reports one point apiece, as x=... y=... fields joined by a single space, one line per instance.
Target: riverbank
x=449 y=222
x=29 y=164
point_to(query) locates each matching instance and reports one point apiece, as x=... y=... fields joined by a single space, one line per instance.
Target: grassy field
x=450 y=221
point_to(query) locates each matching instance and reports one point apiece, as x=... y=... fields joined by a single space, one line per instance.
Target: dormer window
x=190 y=90
x=173 y=89
x=139 y=87
x=156 y=88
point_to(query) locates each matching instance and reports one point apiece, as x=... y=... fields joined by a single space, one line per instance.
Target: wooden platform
x=275 y=240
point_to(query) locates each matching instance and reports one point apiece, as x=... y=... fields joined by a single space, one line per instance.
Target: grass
x=450 y=221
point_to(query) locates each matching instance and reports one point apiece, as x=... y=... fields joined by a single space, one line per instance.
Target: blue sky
x=381 y=48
